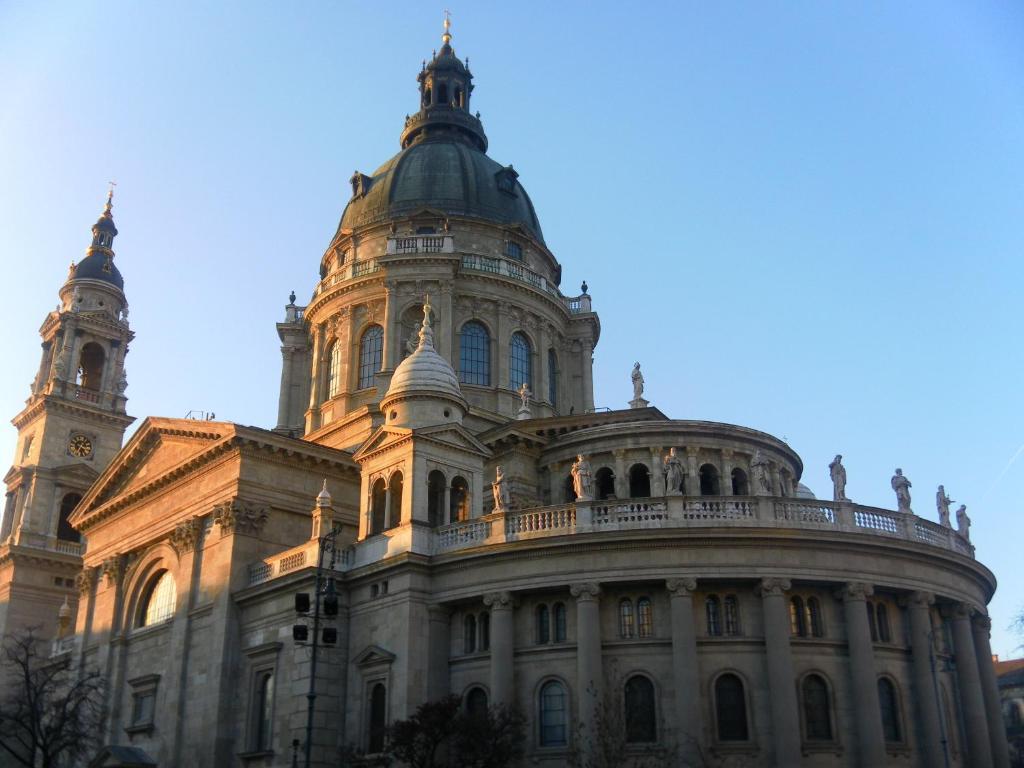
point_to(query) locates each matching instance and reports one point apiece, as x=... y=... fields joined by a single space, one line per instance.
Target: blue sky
x=806 y=218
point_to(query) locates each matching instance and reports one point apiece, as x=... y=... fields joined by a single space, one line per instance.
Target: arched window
x=604 y=480
x=435 y=496
x=90 y=366
x=641 y=716
x=731 y=709
x=558 y=609
x=426 y=97
x=469 y=633
x=519 y=361
x=554 y=711
x=814 y=619
x=457 y=100
x=731 y=609
x=371 y=355
x=709 y=485
x=458 y=500
x=263 y=712
x=475 y=354
x=883 y=623
x=378 y=503
x=817 y=709
x=334 y=371
x=476 y=702
x=442 y=93
x=713 y=611
x=378 y=719
x=797 y=619
x=484 y=629
x=639 y=482
x=158 y=600
x=627 y=626
x=644 y=618
x=889 y=703
x=67 y=505
x=542 y=621
x=553 y=378
x=395 y=486
x=740 y=486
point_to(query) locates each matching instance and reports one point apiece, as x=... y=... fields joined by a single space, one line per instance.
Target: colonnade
x=986 y=744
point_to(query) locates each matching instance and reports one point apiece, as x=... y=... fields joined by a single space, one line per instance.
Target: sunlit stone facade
x=716 y=612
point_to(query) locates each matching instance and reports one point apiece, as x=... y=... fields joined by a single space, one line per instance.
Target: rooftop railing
x=294 y=559
x=345 y=272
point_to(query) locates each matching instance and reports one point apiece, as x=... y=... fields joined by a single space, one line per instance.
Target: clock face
x=80 y=445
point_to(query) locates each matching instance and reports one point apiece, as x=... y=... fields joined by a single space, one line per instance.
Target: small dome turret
x=98 y=263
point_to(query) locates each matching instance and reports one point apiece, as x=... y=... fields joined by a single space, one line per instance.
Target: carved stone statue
x=759 y=469
x=76 y=299
x=673 y=474
x=963 y=522
x=60 y=368
x=901 y=485
x=524 y=398
x=942 y=502
x=638 y=382
x=122 y=383
x=838 y=473
x=500 y=489
x=582 y=479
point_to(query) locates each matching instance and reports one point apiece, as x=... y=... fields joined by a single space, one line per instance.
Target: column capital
x=656 y=451
x=85 y=581
x=681 y=587
x=585 y=591
x=855 y=590
x=619 y=453
x=728 y=453
x=957 y=611
x=774 y=587
x=983 y=623
x=917 y=600
x=499 y=601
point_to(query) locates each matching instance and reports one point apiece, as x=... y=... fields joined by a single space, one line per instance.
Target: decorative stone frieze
x=681 y=587
x=185 y=535
x=237 y=516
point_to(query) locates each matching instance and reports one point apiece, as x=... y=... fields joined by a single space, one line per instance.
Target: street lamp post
x=326 y=590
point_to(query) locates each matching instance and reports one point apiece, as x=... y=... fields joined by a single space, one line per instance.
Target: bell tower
x=72 y=425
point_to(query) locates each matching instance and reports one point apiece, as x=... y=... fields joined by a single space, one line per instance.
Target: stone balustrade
x=294 y=559
x=346 y=272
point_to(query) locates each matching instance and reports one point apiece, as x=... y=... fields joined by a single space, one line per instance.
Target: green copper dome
x=447 y=175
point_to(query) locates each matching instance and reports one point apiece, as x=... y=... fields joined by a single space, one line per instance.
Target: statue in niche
x=901 y=485
x=838 y=474
x=673 y=473
x=500 y=489
x=963 y=522
x=122 y=382
x=759 y=468
x=582 y=479
x=942 y=502
x=638 y=381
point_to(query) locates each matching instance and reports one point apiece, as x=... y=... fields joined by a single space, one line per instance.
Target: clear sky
x=802 y=217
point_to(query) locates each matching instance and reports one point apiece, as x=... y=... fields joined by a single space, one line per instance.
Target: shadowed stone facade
x=703 y=593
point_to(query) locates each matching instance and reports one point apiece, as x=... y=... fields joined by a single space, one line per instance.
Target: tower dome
x=424 y=388
x=442 y=165
x=98 y=263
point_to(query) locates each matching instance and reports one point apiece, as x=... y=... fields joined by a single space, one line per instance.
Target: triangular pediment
x=374 y=654
x=455 y=436
x=382 y=438
x=446 y=435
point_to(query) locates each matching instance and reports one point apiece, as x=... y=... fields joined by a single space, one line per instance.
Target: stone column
x=284 y=398
x=589 y=672
x=657 y=476
x=502 y=647
x=982 y=627
x=979 y=747
x=925 y=689
x=692 y=472
x=726 y=479
x=621 y=481
x=501 y=346
x=685 y=670
x=867 y=712
x=446 y=324
x=392 y=343
x=781 y=679
x=313 y=415
x=587 y=371
x=439 y=635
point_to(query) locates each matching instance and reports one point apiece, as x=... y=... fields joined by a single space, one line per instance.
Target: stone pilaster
x=781 y=680
x=868 y=715
x=925 y=690
x=587 y=371
x=657 y=476
x=979 y=746
x=726 y=480
x=589 y=672
x=502 y=647
x=982 y=627
x=692 y=472
x=621 y=481
x=438 y=683
x=685 y=670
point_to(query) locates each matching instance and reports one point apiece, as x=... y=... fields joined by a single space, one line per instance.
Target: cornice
x=38 y=404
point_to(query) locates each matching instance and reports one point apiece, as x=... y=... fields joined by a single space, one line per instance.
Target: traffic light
x=302 y=602
x=300 y=633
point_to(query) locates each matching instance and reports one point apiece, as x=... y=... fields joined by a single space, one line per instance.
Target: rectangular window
x=143 y=711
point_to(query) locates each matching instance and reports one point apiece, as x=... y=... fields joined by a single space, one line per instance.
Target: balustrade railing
x=464 y=534
x=87 y=395
x=420 y=244
x=294 y=559
x=805 y=512
x=720 y=509
x=69 y=547
x=644 y=512
x=530 y=521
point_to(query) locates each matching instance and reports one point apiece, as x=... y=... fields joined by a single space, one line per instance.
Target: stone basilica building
x=493 y=534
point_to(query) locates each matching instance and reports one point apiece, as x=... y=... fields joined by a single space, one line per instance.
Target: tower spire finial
x=110 y=196
x=446 y=38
